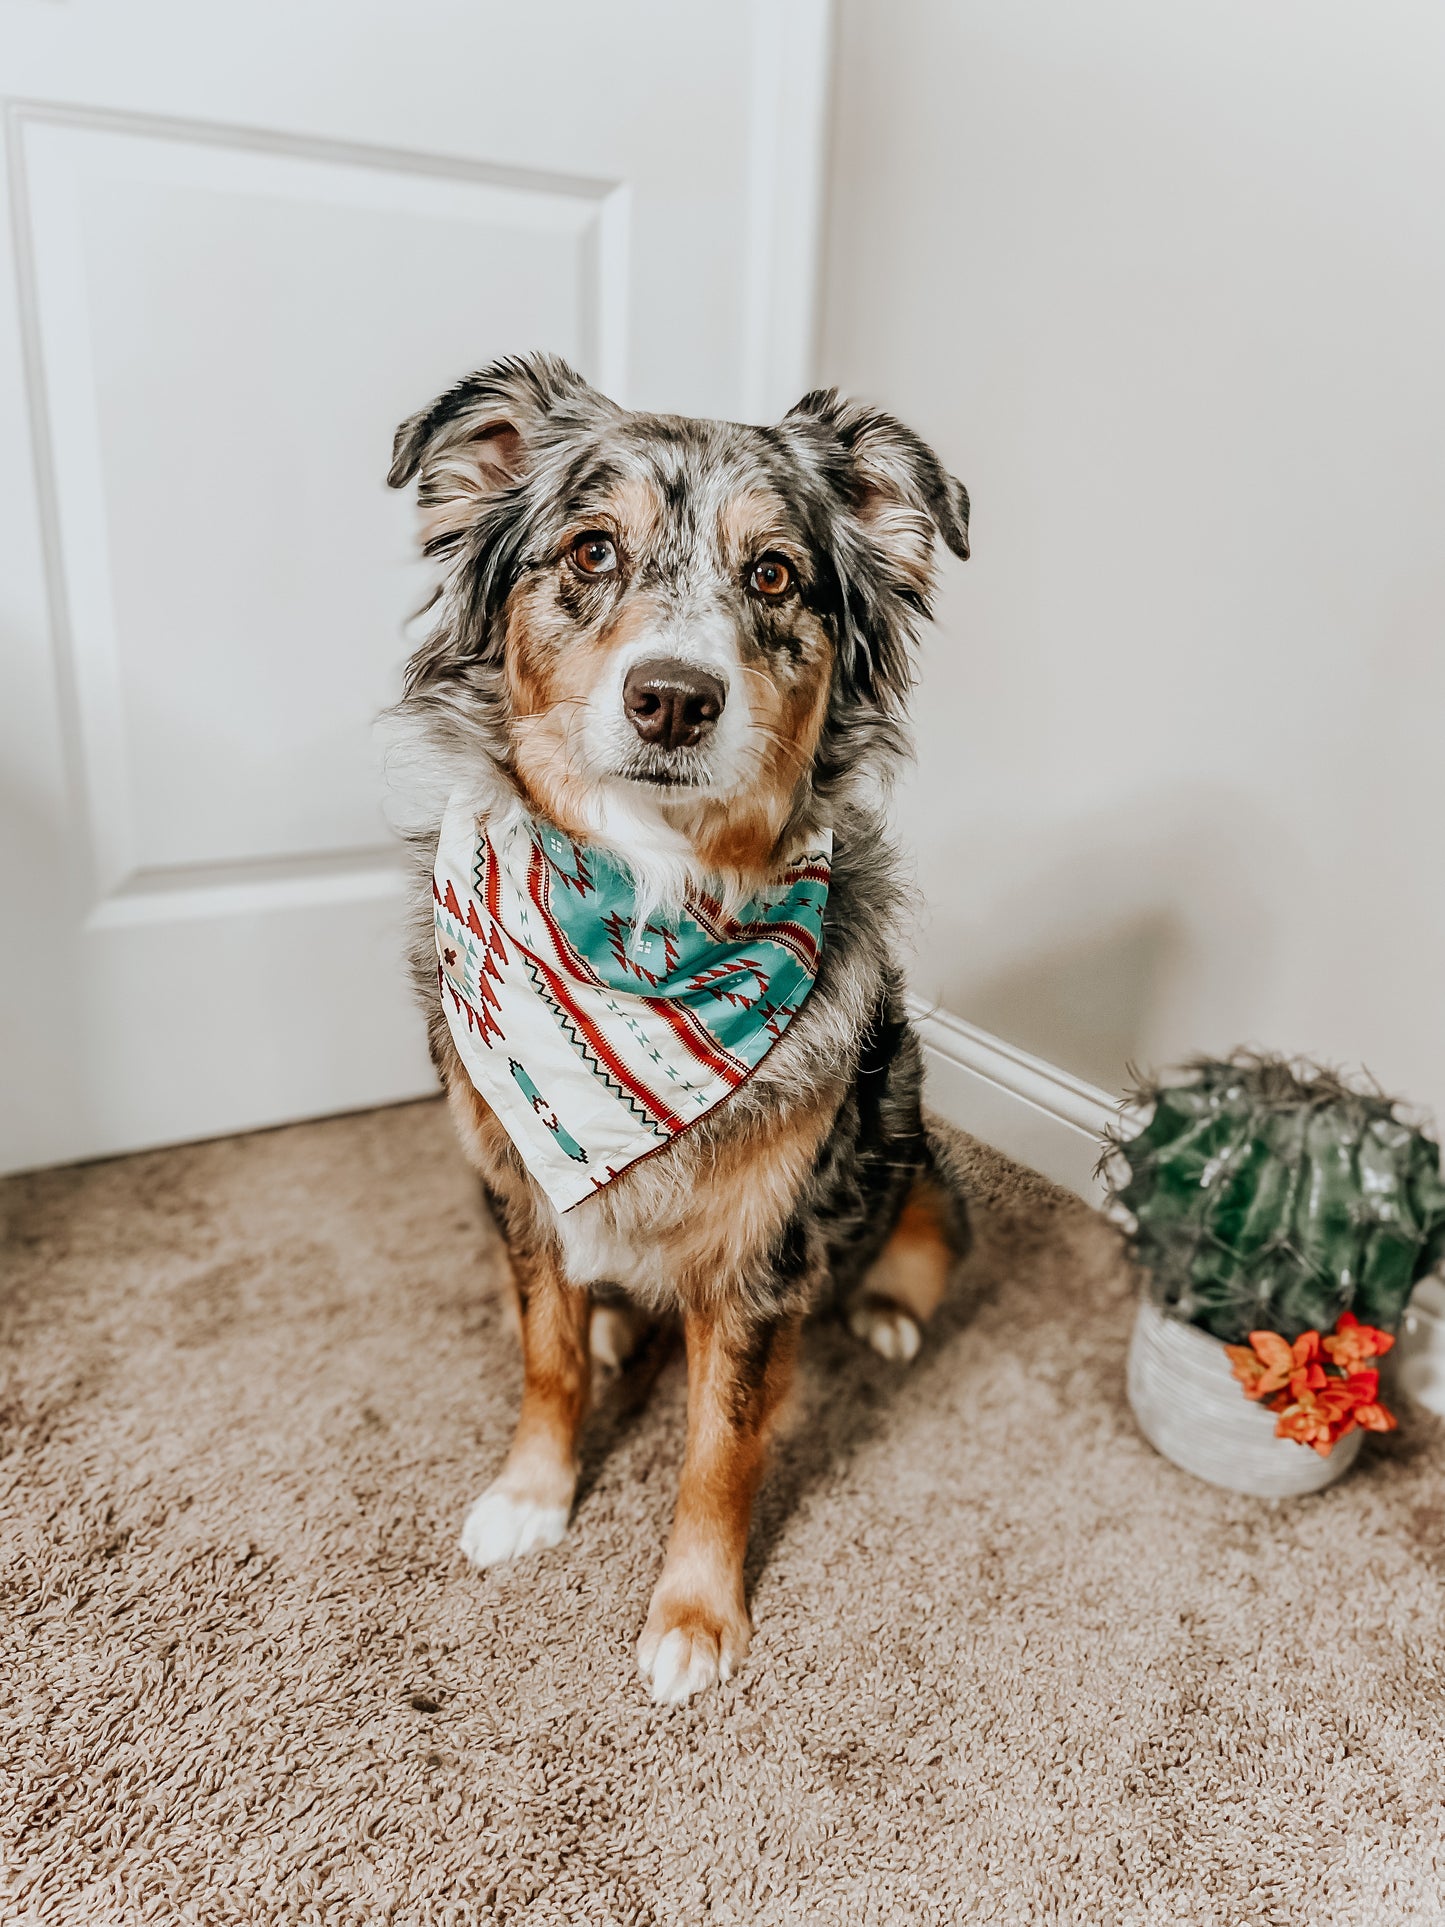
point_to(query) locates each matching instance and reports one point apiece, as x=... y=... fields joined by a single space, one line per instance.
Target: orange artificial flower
x=1313 y=1405
x=1312 y=1378
x=1247 y=1367
x=1353 y=1344
x=1267 y=1363
x=1375 y=1418
x=1312 y=1418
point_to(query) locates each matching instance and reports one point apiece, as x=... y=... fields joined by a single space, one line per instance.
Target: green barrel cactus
x=1272 y=1196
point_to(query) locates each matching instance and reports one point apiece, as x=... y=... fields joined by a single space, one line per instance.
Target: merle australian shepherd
x=688 y=644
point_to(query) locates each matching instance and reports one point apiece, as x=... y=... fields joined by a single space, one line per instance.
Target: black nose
x=672 y=704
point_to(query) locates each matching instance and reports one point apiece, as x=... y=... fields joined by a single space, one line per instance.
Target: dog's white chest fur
x=596 y=1250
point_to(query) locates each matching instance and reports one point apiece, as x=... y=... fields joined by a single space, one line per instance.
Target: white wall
x=1166 y=285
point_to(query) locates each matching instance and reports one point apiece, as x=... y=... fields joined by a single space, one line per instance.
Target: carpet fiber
x=1009 y=1665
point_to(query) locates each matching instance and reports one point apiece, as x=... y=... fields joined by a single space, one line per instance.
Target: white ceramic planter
x=1191 y=1408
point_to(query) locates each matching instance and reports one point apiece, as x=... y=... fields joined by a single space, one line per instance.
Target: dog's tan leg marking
x=904 y=1285
x=526 y=1506
x=697 y=1628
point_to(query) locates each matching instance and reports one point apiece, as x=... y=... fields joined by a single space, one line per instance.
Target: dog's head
x=672 y=634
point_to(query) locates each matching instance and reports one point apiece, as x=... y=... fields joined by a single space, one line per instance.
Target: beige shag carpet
x=1009 y=1665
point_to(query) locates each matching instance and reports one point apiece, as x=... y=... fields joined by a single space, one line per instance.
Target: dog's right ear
x=477 y=438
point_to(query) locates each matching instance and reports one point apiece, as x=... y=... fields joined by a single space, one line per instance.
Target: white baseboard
x=1033 y=1112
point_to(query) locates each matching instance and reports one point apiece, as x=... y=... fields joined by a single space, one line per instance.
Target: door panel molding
x=58 y=150
x=313 y=147
x=242 y=889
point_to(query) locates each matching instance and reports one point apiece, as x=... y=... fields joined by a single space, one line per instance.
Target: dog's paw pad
x=889 y=1329
x=501 y=1526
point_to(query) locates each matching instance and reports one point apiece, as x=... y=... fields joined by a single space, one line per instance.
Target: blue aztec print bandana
x=595 y=1042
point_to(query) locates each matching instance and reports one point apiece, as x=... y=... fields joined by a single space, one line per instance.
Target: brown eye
x=594 y=553
x=771 y=576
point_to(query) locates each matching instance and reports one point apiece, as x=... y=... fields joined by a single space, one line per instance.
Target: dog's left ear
x=894 y=483
x=479 y=438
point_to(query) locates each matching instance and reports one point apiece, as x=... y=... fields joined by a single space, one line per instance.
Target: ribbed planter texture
x=1191 y=1408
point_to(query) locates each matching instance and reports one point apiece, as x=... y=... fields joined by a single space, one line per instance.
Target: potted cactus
x=1281 y=1218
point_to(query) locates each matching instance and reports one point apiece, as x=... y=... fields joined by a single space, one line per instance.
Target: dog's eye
x=594 y=553
x=771 y=576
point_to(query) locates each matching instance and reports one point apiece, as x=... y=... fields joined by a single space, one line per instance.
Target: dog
x=659 y=693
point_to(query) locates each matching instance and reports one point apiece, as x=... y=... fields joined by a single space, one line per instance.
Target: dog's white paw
x=683 y=1663
x=501 y=1526
x=889 y=1329
x=682 y=1653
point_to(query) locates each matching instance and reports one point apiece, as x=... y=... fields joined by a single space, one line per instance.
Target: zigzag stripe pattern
x=579 y=1044
x=699 y=1041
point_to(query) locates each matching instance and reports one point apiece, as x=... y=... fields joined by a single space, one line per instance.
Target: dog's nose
x=672 y=704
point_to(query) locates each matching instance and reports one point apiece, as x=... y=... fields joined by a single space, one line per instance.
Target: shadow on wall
x=1091 y=1000
x=1092 y=961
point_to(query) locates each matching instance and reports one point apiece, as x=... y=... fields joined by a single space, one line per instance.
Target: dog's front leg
x=526 y=1507
x=738 y=1368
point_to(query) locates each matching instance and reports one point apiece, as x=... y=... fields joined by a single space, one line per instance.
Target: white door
x=243 y=241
